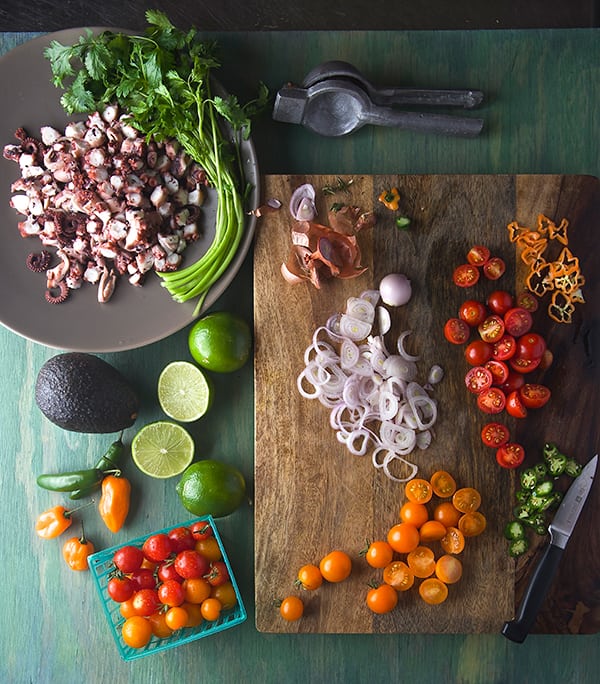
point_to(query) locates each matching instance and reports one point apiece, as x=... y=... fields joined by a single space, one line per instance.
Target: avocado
x=83 y=393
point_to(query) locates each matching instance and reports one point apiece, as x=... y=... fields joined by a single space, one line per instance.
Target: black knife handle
x=539 y=584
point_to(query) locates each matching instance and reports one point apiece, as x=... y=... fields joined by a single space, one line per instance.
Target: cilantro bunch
x=162 y=79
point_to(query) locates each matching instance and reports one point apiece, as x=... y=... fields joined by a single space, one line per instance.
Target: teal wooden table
x=541 y=112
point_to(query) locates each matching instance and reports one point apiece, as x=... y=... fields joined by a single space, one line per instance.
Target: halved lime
x=162 y=449
x=184 y=392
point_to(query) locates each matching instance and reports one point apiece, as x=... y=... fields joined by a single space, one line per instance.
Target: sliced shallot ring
x=391 y=456
x=354 y=328
x=401 y=350
x=371 y=296
x=384 y=320
x=362 y=309
x=349 y=354
x=363 y=437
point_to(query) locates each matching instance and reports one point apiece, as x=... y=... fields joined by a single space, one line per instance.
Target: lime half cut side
x=162 y=449
x=184 y=392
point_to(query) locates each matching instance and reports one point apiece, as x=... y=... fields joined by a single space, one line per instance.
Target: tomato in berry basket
x=472 y=312
x=190 y=564
x=465 y=275
x=128 y=558
x=120 y=588
x=181 y=538
x=456 y=331
x=510 y=455
x=157 y=547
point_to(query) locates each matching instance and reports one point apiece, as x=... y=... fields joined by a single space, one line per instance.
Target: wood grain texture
x=312 y=496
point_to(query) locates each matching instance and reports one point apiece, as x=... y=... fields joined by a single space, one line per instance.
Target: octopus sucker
x=106 y=200
x=38 y=262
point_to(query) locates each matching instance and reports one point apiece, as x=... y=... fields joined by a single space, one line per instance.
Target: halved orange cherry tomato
x=379 y=554
x=421 y=561
x=466 y=499
x=418 y=490
x=446 y=514
x=443 y=484
x=465 y=275
x=453 y=541
x=472 y=524
x=432 y=530
x=414 y=513
x=382 y=599
x=403 y=537
x=433 y=591
x=448 y=569
x=398 y=575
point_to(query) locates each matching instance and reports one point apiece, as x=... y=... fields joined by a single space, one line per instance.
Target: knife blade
x=560 y=529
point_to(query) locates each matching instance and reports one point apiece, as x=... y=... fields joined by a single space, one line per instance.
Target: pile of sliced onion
x=376 y=405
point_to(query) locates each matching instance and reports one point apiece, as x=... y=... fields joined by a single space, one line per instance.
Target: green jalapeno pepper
x=108 y=461
x=69 y=481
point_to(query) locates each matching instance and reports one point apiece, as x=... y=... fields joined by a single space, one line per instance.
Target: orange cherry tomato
x=432 y=530
x=291 y=608
x=225 y=593
x=466 y=500
x=309 y=577
x=433 y=591
x=194 y=611
x=414 y=513
x=209 y=548
x=418 y=490
x=403 y=537
x=443 y=484
x=448 y=569
x=453 y=541
x=379 y=554
x=159 y=626
x=446 y=514
x=398 y=575
x=176 y=617
x=211 y=609
x=421 y=561
x=136 y=631
x=335 y=566
x=382 y=599
x=472 y=524
x=196 y=589
x=127 y=609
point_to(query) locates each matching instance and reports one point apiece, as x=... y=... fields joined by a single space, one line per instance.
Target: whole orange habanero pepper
x=114 y=502
x=54 y=521
x=76 y=551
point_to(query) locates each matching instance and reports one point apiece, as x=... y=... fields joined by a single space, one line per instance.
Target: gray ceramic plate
x=135 y=316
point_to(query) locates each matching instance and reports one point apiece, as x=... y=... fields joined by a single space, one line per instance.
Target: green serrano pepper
x=67 y=482
x=108 y=461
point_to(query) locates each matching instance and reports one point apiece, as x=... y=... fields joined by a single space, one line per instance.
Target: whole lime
x=211 y=487
x=220 y=342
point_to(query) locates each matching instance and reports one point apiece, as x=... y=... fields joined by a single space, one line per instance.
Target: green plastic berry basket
x=101 y=566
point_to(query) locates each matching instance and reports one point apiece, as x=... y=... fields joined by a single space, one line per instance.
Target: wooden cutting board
x=312 y=496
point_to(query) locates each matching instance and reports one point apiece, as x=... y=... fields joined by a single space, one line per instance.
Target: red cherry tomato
x=128 y=558
x=181 y=539
x=534 y=396
x=456 y=331
x=521 y=365
x=491 y=400
x=157 y=547
x=504 y=348
x=517 y=321
x=494 y=435
x=494 y=268
x=472 y=312
x=143 y=579
x=499 y=371
x=513 y=382
x=201 y=530
x=190 y=564
x=166 y=571
x=465 y=275
x=531 y=346
x=478 y=353
x=500 y=301
x=120 y=588
x=514 y=405
x=527 y=300
x=478 y=379
x=510 y=455
x=492 y=329
x=478 y=255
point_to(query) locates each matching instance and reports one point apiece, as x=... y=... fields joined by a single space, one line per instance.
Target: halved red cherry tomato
x=500 y=301
x=494 y=435
x=478 y=255
x=504 y=348
x=492 y=329
x=478 y=353
x=522 y=365
x=513 y=382
x=465 y=275
x=494 y=268
x=527 y=300
x=472 y=312
x=456 y=331
x=534 y=395
x=531 y=346
x=478 y=379
x=517 y=321
x=514 y=405
x=510 y=455
x=491 y=400
x=499 y=371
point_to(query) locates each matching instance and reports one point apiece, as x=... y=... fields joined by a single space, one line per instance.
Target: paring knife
x=560 y=530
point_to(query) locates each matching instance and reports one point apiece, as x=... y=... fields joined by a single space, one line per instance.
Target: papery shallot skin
x=109 y=202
